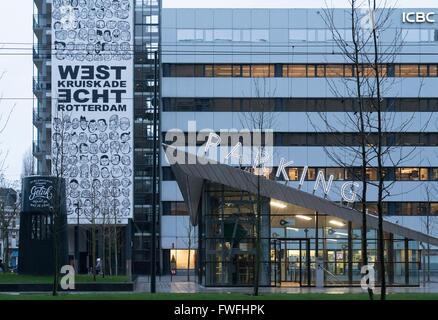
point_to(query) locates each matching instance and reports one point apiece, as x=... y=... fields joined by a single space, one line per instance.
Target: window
x=223 y=35
x=337 y=173
x=412 y=174
x=411 y=35
x=294 y=174
x=246 y=35
x=262 y=71
x=184 y=70
x=181 y=258
x=406 y=70
x=334 y=71
x=237 y=35
x=259 y=35
x=199 y=35
x=295 y=71
x=225 y=70
x=208 y=35
x=298 y=35
x=175 y=208
x=185 y=34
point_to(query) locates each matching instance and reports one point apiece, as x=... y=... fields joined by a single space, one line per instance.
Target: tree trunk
x=93 y=250
x=6 y=251
x=103 y=258
x=116 y=264
x=258 y=244
x=380 y=237
x=110 y=253
x=55 y=255
x=188 y=265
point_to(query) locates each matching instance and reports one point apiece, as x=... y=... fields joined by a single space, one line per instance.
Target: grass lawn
x=215 y=296
x=82 y=278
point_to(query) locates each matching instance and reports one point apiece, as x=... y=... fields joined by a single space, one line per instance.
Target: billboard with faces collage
x=92 y=107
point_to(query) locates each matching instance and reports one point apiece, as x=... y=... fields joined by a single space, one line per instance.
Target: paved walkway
x=181 y=285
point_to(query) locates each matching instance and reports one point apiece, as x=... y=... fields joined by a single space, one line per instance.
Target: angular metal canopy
x=191 y=178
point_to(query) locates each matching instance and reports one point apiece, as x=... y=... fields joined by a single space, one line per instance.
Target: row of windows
x=292 y=139
x=322 y=35
x=349 y=174
x=295 y=105
x=297 y=70
x=177 y=208
x=295 y=35
x=223 y=35
x=406 y=208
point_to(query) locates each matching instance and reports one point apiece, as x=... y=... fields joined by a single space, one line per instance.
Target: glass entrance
x=290 y=262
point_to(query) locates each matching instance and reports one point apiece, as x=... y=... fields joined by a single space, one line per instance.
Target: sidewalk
x=181 y=285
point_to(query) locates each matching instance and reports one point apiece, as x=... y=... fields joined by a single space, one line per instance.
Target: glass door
x=290 y=262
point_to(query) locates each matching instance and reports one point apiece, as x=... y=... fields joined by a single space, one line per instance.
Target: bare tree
x=9 y=213
x=374 y=121
x=190 y=230
x=28 y=164
x=429 y=223
x=260 y=120
x=351 y=47
x=60 y=167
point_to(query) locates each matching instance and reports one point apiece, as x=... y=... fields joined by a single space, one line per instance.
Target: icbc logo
x=418 y=17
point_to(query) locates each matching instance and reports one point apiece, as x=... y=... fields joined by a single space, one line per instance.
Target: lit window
x=262 y=71
x=295 y=71
x=334 y=71
x=407 y=70
x=223 y=70
x=337 y=173
x=294 y=174
x=413 y=174
x=181 y=258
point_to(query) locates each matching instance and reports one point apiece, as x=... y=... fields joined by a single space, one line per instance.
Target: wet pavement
x=181 y=285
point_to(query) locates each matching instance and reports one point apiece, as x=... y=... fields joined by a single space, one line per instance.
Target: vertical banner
x=92 y=107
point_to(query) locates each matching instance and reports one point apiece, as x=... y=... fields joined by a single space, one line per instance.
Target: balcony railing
x=40 y=85
x=41 y=21
x=40 y=148
x=41 y=116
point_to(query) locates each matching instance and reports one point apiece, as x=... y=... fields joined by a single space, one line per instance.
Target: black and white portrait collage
x=97 y=164
x=92 y=30
x=95 y=136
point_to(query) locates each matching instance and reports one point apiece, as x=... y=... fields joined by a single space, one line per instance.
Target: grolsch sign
x=38 y=193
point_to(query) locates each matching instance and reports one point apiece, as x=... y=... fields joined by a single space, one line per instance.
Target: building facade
x=220 y=64
x=217 y=66
x=146 y=42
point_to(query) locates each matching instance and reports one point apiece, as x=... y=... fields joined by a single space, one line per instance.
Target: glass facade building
x=289 y=245
x=221 y=65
